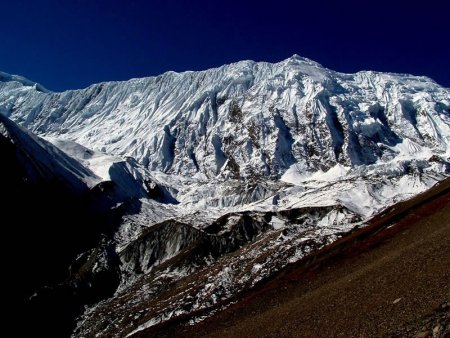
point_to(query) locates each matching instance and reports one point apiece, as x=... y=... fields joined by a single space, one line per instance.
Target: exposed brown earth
x=391 y=278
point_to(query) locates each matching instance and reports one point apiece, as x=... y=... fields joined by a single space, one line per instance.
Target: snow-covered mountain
x=238 y=170
x=245 y=119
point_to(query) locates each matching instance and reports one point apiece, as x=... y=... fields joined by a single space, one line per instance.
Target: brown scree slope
x=369 y=284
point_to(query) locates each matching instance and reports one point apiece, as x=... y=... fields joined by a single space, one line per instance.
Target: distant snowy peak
x=5 y=77
x=245 y=120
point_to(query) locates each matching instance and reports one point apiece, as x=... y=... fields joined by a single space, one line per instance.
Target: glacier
x=239 y=170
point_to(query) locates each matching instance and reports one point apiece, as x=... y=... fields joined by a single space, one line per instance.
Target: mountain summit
x=225 y=176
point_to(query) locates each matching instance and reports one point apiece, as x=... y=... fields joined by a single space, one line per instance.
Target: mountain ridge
x=192 y=137
x=5 y=76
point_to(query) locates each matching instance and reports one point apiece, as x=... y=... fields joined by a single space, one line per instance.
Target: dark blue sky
x=73 y=43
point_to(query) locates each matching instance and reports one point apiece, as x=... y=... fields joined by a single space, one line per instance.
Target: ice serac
x=234 y=172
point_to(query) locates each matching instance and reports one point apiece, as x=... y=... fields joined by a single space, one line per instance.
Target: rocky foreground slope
x=212 y=181
x=389 y=279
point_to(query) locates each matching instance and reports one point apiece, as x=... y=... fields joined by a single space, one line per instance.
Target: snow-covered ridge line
x=4 y=77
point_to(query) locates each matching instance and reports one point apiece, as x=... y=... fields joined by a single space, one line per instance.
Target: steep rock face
x=48 y=219
x=168 y=239
x=243 y=120
x=62 y=217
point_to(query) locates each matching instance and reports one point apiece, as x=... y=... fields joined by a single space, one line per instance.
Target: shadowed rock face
x=56 y=230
